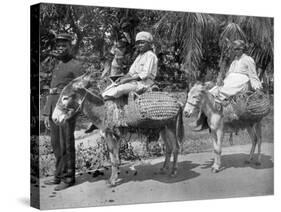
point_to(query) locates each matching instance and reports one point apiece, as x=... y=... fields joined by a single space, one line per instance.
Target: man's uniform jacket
x=63 y=73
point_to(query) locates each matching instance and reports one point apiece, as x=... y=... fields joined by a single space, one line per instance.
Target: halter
x=81 y=103
x=76 y=110
x=192 y=104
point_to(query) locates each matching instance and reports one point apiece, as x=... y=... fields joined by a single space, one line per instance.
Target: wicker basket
x=151 y=109
x=251 y=105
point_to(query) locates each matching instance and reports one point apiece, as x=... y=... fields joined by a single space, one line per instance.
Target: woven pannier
x=252 y=106
x=151 y=109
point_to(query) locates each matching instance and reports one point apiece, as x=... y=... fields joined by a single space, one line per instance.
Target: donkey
x=200 y=98
x=83 y=95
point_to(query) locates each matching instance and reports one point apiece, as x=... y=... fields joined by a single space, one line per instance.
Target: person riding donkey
x=241 y=74
x=142 y=72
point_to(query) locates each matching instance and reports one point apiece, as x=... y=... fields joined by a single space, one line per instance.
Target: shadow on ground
x=238 y=161
x=144 y=172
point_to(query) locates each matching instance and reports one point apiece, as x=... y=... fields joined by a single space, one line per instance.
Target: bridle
x=193 y=104
x=78 y=109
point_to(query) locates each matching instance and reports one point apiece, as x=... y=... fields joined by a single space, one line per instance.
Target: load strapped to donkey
x=151 y=109
x=249 y=106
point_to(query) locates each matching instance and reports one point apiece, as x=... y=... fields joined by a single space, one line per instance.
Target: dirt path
x=194 y=181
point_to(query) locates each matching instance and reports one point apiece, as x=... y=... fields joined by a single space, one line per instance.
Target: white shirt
x=145 y=66
x=246 y=65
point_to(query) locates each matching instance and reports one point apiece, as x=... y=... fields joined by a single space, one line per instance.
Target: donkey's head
x=194 y=98
x=72 y=98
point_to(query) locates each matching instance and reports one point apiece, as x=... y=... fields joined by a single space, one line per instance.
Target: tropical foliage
x=190 y=46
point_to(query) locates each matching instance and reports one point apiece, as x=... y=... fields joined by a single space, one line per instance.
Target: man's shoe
x=63 y=186
x=52 y=182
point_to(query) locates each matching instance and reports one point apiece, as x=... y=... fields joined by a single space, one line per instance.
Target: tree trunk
x=261 y=73
x=79 y=34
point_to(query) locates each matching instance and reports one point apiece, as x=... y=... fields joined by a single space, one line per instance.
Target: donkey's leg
x=259 y=141
x=173 y=142
x=176 y=148
x=113 y=145
x=252 y=136
x=217 y=142
x=231 y=138
x=168 y=150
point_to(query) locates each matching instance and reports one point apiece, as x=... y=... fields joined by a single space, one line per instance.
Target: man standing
x=62 y=137
x=142 y=72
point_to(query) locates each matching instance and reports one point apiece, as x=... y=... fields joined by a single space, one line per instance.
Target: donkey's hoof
x=173 y=174
x=257 y=163
x=112 y=182
x=112 y=185
x=247 y=161
x=215 y=170
x=163 y=171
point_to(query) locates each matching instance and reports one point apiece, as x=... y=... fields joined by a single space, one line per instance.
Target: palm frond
x=187 y=29
x=259 y=30
x=231 y=32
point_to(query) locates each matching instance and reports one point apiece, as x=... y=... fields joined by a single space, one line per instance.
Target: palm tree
x=257 y=32
x=230 y=33
x=185 y=32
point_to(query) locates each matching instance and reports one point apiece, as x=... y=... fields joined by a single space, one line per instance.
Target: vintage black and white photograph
x=145 y=106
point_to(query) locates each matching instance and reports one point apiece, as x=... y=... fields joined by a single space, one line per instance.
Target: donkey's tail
x=180 y=127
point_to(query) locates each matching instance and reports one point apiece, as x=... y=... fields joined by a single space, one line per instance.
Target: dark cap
x=64 y=36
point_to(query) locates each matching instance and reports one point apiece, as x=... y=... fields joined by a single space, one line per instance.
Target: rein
x=64 y=108
x=81 y=103
x=93 y=94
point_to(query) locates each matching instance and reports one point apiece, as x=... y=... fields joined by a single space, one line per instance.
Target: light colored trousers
x=233 y=84
x=119 y=90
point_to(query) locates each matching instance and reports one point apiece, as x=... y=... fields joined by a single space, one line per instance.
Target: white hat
x=146 y=36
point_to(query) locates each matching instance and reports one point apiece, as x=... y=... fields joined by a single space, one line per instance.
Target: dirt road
x=141 y=182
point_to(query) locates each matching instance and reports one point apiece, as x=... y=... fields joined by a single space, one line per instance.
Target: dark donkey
x=76 y=97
